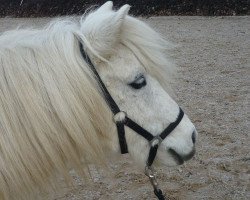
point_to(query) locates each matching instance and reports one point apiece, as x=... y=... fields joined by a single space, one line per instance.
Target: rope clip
x=151 y=174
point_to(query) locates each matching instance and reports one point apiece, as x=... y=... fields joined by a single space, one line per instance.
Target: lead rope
x=149 y=170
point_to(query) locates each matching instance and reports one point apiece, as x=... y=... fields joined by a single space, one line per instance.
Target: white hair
x=53 y=116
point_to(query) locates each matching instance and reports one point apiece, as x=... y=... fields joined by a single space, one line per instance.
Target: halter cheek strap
x=121 y=120
x=111 y=102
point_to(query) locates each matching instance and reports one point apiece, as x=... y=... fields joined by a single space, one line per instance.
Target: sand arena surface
x=213 y=88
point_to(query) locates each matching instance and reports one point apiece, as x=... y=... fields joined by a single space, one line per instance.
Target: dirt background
x=213 y=88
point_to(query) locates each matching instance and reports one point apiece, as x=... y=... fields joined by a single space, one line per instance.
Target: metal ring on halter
x=155 y=141
x=120 y=117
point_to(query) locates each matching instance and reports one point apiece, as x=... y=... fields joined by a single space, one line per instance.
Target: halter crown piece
x=121 y=119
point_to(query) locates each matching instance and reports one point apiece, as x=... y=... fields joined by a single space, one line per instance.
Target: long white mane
x=52 y=114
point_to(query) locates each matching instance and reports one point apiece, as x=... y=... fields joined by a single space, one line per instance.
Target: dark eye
x=139 y=82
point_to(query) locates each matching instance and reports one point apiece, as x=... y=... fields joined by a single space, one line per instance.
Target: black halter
x=124 y=120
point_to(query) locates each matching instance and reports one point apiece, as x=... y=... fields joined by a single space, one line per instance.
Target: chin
x=169 y=159
x=168 y=162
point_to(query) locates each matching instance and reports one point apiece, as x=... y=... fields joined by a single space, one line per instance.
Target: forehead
x=124 y=63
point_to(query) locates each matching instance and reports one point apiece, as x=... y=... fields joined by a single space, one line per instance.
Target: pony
x=53 y=114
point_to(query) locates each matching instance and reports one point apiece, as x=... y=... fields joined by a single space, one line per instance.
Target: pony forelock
x=151 y=49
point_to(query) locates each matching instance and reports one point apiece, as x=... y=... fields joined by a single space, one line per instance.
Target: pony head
x=53 y=113
x=131 y=60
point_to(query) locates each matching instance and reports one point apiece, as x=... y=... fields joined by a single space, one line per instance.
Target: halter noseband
x=121 y=119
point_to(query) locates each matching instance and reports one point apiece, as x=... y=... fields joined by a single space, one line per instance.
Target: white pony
x=53 y=116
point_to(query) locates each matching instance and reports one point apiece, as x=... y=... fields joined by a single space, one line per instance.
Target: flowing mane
x=51 y=108
x=53 y=116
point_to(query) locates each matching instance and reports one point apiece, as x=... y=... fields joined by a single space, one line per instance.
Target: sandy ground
x=213 y=54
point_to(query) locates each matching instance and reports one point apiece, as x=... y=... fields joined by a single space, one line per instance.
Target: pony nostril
x=194 y=137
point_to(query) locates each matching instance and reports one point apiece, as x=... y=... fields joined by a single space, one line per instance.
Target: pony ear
x=102 y=28
x=106 y=7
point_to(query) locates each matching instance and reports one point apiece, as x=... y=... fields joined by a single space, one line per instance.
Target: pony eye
x=139 y=82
